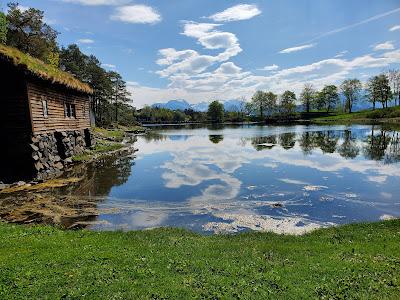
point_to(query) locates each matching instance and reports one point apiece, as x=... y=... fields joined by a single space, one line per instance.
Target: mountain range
x=180 y=104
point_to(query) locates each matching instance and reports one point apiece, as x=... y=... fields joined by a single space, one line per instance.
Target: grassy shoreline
x=352 y=261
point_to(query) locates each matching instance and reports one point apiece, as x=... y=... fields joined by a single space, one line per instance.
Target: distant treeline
x=27 y=31
x=268 y=106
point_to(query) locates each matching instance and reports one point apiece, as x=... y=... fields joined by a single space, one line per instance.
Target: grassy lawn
x=100 y=148
x=386 y=113
x=350 y=262
x=116 y=135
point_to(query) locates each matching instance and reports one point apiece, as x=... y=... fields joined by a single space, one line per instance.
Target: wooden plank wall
x=56 y=120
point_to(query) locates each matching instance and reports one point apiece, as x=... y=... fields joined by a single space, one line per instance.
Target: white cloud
x=97 y=2
x=394 y=28
x=236 y=13
x=341 y=54
x=228 y=68
x=298 y=48
x=384 y=46
x=270 y=68
x=185 y=63
x=198 y=30
x=136 y=14
x=85 y=41
x=108 y=66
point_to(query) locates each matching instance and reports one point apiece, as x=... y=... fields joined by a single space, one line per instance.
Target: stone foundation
x=51 y=152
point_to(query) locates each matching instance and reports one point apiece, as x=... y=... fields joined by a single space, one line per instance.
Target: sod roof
x=42 y=70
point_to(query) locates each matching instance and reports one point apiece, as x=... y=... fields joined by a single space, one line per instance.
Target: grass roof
x=42 y=70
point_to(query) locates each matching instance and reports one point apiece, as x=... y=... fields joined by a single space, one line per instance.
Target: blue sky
x=200 y=50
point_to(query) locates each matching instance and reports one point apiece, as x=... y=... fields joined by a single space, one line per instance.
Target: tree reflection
x=287 y=140
x=327 y=141
x=307 y=142
x=376 y=145
x=349 y=148
x=216 y=138
x=264 y=142
x=100 y=177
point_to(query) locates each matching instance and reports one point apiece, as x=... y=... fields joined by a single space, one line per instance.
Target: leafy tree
x=288 y=102
x=330 y=97
x=319 y=101
x=351 y=89
x=307 y=96
x=379 y=90
x=259 y=101
x=3 y=28
x=271 y=102
x=216 y=112
x=28 y=32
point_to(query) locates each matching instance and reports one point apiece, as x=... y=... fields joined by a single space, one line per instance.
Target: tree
x=216 y=112
x=3 y=28
x=330 y=97
x=259 y=103
x=394 y=80
x=119 y=91
x=270 y=102
x=28 y=32
x=288 y=102
x=307 y=96
x=351 y=89
x=372 y=91
x=379 y=90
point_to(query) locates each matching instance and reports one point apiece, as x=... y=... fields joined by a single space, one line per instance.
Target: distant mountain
x=229 y=105
x=233 y=105
x=174 y=105
x=201 y=107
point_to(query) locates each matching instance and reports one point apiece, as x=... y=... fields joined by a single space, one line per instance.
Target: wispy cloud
x=97 y=2
x=270 y=68
x=394 y=28
x=344 y=28
x=341 y=53
x=108 y=66
x=236 y=13
x=85 y=41
x=384 y=46
x=136 y=14
x=297 y=48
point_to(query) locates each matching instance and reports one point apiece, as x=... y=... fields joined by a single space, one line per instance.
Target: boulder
x=59 y=166
x=34 y=147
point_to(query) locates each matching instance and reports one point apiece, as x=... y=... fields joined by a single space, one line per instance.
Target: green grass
x=350 y=262
x=116 y=135
x=378 y=114
x=101 y=147
x=42 y=70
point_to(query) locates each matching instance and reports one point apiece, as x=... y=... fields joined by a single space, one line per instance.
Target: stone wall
x=51 y=152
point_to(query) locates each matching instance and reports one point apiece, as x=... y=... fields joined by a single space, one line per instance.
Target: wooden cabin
x=44 y=117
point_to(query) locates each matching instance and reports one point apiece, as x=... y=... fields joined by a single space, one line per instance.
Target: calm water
x=229 y=179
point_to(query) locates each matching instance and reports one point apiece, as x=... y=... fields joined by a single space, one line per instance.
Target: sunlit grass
x=351 y=262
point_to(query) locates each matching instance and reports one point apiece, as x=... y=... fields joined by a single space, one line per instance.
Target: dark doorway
x=60 y=145
x=88 y=138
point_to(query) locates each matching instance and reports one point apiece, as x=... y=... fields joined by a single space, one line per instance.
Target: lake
x=227 y=179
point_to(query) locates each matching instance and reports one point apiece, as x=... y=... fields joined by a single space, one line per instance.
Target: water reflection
x=229 y=179
x=216 y=138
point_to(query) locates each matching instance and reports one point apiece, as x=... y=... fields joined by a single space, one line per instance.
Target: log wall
x=56 y=99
